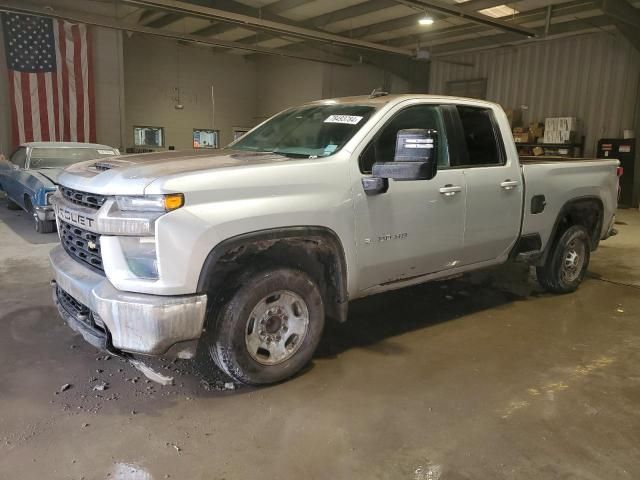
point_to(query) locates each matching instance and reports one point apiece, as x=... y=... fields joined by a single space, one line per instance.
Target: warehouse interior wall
x=216 y=90
x=594 y=77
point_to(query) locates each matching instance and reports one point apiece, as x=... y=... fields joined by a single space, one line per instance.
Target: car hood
x=47 y=176
x=131 y=174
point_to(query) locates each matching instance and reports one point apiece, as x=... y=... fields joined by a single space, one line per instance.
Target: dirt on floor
x=482 y=377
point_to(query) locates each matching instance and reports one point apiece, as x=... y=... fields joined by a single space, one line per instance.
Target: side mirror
x=415 y=158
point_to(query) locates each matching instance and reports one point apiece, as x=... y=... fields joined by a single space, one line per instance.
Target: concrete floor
x=480 y=378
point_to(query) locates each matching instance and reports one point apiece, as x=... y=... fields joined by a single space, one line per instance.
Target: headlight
x=150 y=203
x=48 y=196
x=140 y=253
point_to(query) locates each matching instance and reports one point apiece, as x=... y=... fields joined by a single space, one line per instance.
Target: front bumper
x=45 y=213
x=130 y=322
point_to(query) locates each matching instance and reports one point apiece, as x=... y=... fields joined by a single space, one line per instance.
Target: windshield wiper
x=291 y=154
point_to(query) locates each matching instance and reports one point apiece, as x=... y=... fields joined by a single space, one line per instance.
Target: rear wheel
x=567 y=263
x=268 y=328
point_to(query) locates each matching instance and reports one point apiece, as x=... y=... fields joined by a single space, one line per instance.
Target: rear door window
x=481 y=138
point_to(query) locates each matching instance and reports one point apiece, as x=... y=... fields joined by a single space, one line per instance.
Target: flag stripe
x=91 y=88
x=15 y=135
x=49 y=94
x=57 y=82
x=77 y=79
x=65 y=83
x=25 y=88
x=84 y=68
x=41 y=95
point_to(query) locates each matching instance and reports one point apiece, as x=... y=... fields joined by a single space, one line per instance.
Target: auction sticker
x=347 y=119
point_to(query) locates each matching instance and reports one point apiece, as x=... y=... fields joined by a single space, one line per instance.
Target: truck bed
x=561 y=180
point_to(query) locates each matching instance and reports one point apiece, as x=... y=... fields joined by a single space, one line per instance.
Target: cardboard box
x=518 y=130
x=523 y=137
x=537 y=151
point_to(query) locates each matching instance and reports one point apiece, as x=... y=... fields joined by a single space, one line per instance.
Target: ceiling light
x=426 y=20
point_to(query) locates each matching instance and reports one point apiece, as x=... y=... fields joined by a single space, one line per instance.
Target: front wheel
x=268 y=328
x=567 y=262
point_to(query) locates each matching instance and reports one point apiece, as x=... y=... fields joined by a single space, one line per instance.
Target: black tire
x=229 y=329
x=11 y=205
x=557 y=275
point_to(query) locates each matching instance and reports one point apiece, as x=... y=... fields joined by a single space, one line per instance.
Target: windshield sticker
x=347 y=119
x=106 y=152
x=329 y=149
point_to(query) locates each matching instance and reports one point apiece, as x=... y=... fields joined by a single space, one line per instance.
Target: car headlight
x=140 y=254
x=150 y=203
x=48 y=196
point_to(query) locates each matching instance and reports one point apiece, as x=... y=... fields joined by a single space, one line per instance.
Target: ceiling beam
x=456 y=11
x=503 y=39
x=184 y=8
x=20 y=6
x=571 y=8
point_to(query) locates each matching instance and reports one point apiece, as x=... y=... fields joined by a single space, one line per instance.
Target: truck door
x=415 y=227
x=494 y=187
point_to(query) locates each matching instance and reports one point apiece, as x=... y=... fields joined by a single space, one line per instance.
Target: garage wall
x=109 y=86
x=160 y=73
x=595 y=77
x=286 y=82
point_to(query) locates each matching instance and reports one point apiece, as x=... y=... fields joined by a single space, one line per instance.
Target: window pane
x=479 y=136
x=19 y=157
x=383 y=147
x=148 y=136
x=49 y=157
x=307 y=132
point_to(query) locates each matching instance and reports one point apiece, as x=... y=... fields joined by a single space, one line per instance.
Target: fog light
x=140 y=253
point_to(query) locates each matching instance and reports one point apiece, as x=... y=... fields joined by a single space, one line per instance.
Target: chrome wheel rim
x=573 y=261
x=276 y=327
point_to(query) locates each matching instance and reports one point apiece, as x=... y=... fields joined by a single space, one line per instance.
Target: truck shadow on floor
x=21 y=223
x=374 y=320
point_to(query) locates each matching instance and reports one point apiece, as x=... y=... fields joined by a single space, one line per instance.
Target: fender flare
x=595 y=236
x=208 y=282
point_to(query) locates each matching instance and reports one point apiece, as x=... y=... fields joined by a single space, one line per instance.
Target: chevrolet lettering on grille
x=75 y=218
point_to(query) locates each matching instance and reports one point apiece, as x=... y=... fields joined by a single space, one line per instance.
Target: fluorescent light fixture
x=426 y=20
x=499 y=11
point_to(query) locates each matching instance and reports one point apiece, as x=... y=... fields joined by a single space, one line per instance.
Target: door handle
x=509 y=184
x=449 y=190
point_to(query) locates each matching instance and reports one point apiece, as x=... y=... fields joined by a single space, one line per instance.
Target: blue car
x=29 y=176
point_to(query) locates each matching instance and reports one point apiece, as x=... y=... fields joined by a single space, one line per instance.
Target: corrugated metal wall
x=595 y=77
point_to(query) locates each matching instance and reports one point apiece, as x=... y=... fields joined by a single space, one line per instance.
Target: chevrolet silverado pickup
x=246 y=250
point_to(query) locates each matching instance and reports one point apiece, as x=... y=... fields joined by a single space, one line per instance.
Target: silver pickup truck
x=244 y=251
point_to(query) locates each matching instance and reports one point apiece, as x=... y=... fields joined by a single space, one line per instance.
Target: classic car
x=29 y=176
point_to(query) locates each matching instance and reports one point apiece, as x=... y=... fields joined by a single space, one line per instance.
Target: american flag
x=50 y=79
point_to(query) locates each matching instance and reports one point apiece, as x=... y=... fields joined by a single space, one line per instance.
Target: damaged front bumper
x=129 y=322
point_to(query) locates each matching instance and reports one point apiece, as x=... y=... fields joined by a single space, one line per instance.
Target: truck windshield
x=51 y=157
x=307 y=132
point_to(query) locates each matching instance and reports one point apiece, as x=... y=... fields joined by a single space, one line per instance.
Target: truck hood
x=131 y=174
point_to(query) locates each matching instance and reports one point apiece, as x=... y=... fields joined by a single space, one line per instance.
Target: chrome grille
x=85 y=199
x=82 y=245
